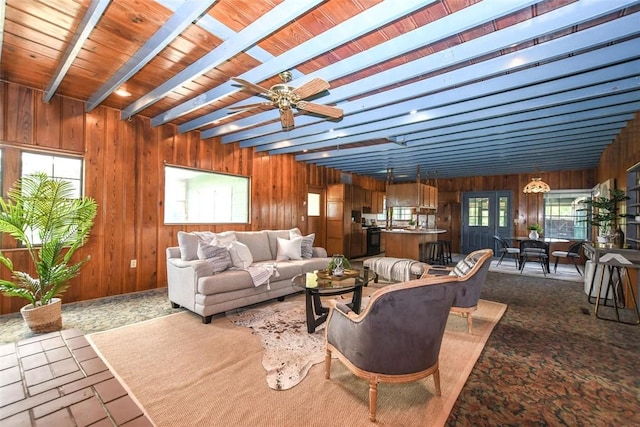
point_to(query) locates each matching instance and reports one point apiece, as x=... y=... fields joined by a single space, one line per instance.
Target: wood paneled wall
x=125 y=174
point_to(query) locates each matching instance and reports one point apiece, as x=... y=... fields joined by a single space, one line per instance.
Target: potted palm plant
x=43 y=215
x=603 y=213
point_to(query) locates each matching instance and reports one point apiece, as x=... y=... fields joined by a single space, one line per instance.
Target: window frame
x=205 y=173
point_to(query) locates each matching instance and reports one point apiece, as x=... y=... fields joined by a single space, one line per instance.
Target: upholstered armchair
x=396 y=338
x=471 y=273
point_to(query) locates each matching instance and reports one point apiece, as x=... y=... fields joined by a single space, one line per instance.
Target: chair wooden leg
x=469 y=322
x=327 y=364
x=436 y=381
x=373 y=399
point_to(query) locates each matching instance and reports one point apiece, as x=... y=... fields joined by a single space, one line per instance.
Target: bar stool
x=432 y=253
x=446 y=251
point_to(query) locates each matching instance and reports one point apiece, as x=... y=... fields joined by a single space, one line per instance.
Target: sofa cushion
x=216 y=255
x=289 y=249
x=230 y=280
x=287 y=270
x=306 y=248
x=240 y=254
x=258 y=244
x=188 y=243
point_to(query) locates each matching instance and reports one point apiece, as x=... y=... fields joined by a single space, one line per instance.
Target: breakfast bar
x=404 y=243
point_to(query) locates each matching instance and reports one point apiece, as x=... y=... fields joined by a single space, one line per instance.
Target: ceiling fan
x=285 y=98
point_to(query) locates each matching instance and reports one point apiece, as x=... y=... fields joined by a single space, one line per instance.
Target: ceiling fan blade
x=311 y=88
x=286 y=118
x=324 y=110
x=256 y=88
x=252 y=106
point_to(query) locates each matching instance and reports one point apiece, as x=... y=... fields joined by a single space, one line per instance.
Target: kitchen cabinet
x=339 y=219
x=412 y=195
x=377 y=202
x=633 y=207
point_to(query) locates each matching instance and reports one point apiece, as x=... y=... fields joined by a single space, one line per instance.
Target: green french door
x=484 y=214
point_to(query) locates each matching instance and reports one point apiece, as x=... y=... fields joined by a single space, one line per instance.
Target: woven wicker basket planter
x=44 y=318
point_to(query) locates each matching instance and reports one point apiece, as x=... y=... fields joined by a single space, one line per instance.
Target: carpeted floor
x=549 y=362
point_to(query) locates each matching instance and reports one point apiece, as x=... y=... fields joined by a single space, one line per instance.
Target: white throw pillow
x=289 y=249
x=240 y=254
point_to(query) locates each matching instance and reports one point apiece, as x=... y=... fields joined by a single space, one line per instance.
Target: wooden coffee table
x=316 y=286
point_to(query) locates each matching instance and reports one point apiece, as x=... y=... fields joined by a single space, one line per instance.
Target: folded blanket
x=396 y=269
x=261 y=274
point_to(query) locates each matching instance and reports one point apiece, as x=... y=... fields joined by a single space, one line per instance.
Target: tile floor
x=57 y=379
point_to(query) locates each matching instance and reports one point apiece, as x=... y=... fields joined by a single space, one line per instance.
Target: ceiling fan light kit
x=285 y=98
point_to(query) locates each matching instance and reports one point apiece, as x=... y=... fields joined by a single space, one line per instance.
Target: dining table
x=547 y=240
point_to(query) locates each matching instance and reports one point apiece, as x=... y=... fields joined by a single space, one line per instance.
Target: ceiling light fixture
x=537 y=185
x=123 y=92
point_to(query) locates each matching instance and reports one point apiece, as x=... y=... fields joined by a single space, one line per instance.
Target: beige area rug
x=186 y=373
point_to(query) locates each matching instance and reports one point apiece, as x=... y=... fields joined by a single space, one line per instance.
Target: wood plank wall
x=124 y=174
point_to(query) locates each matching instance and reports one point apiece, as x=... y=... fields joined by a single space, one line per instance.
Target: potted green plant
x=535 y=230
x=42 y=214
x=603 y=213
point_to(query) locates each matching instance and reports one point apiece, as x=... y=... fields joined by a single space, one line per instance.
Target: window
x=479 y=211
x=313 y=204
x=196 y=196
x=402 y=214
x=67 y=168
x=562 y=215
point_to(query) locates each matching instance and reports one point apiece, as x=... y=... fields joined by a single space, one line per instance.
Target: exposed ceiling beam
x=554 y=21
x=380 y=123
x=271 y=21
x=441 y=29
x=179 y=21
x=360 y=24
x=86 y=26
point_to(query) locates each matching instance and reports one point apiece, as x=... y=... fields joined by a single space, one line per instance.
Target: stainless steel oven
x=373 y=241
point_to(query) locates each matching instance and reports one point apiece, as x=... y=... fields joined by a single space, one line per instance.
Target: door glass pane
x=503 y=203
x=478 y=211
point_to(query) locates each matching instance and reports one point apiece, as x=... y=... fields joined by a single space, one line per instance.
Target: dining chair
x=534 y=250
x=573 y=253
x=505 y=249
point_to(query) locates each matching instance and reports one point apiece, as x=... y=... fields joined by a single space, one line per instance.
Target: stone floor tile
x=8 y=360
x=85 y=382
x=22 y=419
x=33 y=361
x=61 y=381
x=110 y=390
x=85 y=353
x=58 y=354
x=38 y=375
x=6 y=349
x=28 y=403
x=88 y=412
x=93 y=366
x=123 y=409
x=71 y=333
x=39 y=337
x=107 y=422
x=54 y=342
x=11 y=393
x=62 y=402
x=64 y=367
x=77 y=342
x=9 y=376
x=61 y=418
x=30 y=348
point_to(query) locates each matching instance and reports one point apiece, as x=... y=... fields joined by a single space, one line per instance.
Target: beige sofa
x=199 y=286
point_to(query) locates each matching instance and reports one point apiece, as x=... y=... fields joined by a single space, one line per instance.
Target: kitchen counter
x=418 y=231
x=403 y=243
